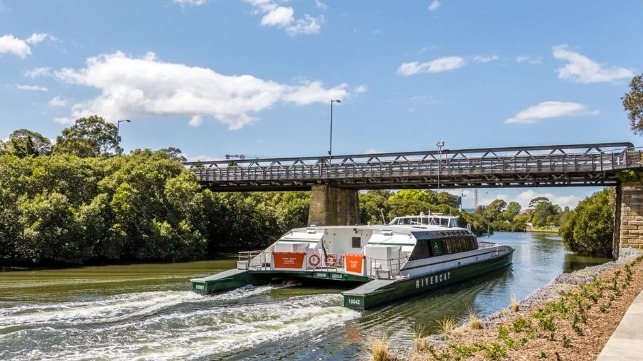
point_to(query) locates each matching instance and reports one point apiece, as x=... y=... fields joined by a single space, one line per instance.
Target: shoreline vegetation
x=543 y=230
x=571 y=318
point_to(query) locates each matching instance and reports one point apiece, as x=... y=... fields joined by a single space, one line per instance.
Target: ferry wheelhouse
x=410 y=255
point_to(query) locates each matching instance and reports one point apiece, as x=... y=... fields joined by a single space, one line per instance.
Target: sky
x=256 y=77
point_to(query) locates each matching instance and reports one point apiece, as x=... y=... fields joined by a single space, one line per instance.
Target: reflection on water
x=574 y=262
x=148 y=313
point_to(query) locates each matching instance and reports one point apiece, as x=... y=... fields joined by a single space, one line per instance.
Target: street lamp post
x=118 y=128
x=330 y=150
x=440 y=144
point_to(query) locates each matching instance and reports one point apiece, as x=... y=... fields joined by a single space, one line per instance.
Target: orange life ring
x=314 y=260
x=331 y=260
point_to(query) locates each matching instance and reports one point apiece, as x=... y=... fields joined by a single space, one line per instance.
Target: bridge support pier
x=629 y=216
x=332 y=206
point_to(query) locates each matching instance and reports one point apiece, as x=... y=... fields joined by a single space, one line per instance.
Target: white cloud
x=434 y=66
x=550 y=109
x=284 y=17
x=37 y=72
x=57 y=102
x=12 y=45
x=37 y=38
x=584 y=70
x=279 y=16
x=484 y=59
x=360 y=89
x=321 y=5
x=9 y=44
x=32 y=88
x=529 y=59
x=190 y=2
x=434 y=5
x=196 y=121
x=147 y=86
x=525 y=197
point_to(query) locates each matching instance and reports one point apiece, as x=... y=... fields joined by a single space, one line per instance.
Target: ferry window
x=437 y=249
x=421 y=250
x=356 y=242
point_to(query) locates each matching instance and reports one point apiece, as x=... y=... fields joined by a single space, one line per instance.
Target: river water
x=147 y=312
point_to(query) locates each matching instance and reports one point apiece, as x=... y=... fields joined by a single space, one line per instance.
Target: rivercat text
x=434 y=279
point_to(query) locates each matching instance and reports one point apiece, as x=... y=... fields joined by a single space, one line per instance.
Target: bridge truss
x=532 y=166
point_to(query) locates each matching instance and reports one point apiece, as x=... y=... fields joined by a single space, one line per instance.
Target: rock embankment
x=571 y=318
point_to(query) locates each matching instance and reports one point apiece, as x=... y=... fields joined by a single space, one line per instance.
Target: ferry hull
x=379 y=292
x=231 y=279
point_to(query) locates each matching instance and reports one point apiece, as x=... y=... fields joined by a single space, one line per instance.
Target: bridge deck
x=557 y=165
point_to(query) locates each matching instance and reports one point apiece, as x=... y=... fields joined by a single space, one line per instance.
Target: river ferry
x=410 y=255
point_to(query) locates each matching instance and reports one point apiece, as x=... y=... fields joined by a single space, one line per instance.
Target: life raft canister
x=331 y=260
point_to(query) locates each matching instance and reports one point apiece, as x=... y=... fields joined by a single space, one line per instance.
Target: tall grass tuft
x=447 y=325
x=420 y=341
x=474 y=320
x=379 y=348
x=515 y=305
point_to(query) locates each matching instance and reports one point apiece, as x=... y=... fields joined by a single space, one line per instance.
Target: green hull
x=231 y=279
x=380 y=291
x=370 y=294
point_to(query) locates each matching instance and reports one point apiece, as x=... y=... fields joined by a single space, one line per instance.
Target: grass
x=474 y=320
x=379 y=349
x=447 y=325
x=420 y=341
x=515 y=305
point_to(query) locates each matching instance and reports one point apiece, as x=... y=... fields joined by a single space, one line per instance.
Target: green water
x=68 y=284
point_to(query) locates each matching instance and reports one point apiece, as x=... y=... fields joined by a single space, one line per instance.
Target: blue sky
x=255 y=77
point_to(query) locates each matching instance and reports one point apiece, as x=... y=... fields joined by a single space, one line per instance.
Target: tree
x=174 y=153
x=590 y=227
x=88 y=137
x=25 y=143
x=545 y=214
x=494 y=209
x=373 y=206
x=534 y=202
x=633 y=104
x=512 y=210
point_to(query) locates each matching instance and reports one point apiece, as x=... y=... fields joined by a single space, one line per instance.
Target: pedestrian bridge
x=334 y=181
x=531 y=166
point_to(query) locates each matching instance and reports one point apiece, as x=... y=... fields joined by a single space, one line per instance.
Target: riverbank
x=571 y=318
x=542 y=229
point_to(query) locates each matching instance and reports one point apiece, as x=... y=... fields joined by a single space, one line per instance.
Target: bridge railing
x=516 y=162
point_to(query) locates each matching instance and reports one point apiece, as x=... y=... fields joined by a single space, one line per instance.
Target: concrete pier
x=333 y=206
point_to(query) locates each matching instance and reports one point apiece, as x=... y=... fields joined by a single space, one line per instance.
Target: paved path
x=627 y=341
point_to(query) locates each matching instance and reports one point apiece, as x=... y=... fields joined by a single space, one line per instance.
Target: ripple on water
x=163 y=325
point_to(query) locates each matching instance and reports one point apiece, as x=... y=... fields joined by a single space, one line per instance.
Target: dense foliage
x=145 y=206
x=633 y=104
x=589 y=229
x=83 y=203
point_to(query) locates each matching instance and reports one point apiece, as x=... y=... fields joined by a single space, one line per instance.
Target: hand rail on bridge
x=560 y=164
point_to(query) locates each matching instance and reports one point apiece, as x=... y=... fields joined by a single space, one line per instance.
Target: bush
x=590 y=228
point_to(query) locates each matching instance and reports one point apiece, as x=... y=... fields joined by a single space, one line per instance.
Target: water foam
x=163 y=325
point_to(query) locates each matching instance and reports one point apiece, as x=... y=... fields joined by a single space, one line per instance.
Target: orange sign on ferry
x=289 y=259
x=353 y=263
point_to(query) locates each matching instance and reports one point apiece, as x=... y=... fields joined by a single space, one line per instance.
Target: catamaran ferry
x=410 y=255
